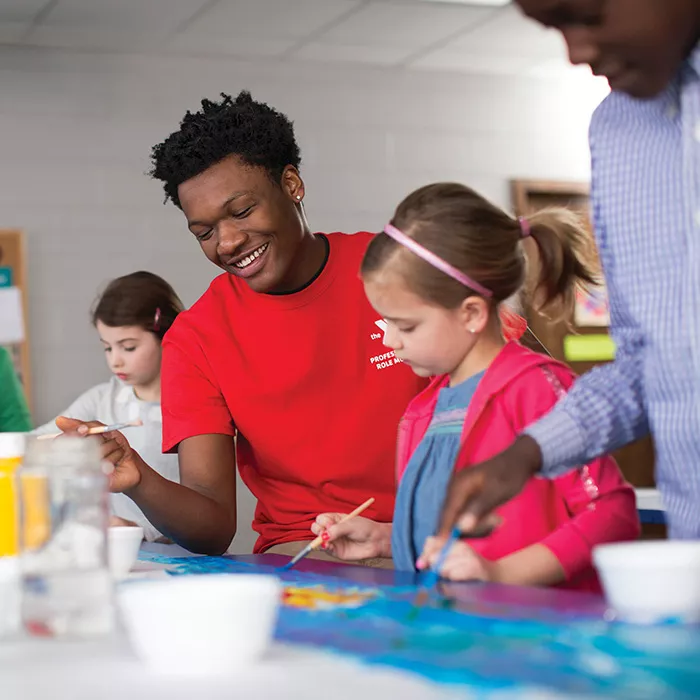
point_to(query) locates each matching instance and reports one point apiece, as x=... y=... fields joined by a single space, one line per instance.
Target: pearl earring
x=471 y=330
x=299 y=197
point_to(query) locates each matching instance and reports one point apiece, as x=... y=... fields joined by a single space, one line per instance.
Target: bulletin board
x=13 y=274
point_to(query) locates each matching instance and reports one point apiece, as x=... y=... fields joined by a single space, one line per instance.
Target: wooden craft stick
x=97 y=430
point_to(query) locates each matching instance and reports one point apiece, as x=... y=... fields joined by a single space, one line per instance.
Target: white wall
x=75 y=135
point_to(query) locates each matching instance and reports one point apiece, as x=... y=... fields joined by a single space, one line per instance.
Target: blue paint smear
x=515 y=651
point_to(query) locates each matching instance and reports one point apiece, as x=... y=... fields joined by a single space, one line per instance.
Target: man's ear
x=292 y=184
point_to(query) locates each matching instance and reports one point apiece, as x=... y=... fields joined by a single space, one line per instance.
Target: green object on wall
x=5 y=276
x=589 y=348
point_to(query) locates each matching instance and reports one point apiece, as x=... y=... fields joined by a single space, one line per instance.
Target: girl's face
x=133 y=354
x=433 y=340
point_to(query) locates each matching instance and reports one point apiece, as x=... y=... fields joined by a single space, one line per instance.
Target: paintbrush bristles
x=432 y=576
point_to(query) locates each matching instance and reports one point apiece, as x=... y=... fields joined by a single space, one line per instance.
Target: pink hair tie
x=525 y=230
x=156 y=320
x=435 y=260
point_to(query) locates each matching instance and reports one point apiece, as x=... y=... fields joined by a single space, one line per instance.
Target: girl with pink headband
x=438 y=275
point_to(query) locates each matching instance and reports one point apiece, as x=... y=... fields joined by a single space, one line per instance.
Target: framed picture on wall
x=592 y=309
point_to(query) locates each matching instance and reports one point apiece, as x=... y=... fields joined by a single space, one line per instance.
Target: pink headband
x=435 y=260
x=442 y=265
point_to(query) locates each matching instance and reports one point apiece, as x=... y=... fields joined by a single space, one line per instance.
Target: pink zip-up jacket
x=570 y=514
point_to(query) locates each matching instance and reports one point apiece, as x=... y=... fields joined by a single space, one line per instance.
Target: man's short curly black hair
x=255 y=132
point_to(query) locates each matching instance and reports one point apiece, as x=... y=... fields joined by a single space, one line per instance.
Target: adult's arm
x=200 y=512
x=603 y=411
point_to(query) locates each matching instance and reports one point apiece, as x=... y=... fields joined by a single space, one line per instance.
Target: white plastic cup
x=123 y=549
x=207 y=624
x=651 y=581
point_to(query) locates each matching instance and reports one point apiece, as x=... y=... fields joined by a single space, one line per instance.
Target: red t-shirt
x=306 y=382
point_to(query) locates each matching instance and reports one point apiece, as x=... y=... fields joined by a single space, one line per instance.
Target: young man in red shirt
x=282 y=352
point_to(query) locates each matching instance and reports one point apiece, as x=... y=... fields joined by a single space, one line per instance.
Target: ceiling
x=401 y=33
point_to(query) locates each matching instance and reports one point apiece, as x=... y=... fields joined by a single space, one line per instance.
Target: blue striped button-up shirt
x=646 y=213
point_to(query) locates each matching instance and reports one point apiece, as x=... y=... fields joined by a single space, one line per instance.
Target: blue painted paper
x=486 y=649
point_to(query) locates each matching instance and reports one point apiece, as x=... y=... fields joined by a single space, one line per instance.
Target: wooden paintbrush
x=314 y=544
x=98 y=430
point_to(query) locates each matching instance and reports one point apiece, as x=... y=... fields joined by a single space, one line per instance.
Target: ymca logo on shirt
x=386 y=359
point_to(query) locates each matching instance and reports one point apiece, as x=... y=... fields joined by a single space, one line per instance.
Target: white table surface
x=48 y=670
x=39 y=669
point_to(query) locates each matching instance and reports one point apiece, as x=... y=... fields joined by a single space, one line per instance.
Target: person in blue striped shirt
x=645 y=148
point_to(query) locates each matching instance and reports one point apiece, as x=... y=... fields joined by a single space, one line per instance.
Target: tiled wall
x=75 y=135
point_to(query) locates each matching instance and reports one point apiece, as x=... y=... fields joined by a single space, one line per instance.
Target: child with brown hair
x=131 y=317
x=438 y=275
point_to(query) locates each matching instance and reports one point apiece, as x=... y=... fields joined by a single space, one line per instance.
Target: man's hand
x=116 y=450
x=475 y=491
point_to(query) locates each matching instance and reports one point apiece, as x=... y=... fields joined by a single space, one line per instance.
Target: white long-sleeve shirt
x=115 y=402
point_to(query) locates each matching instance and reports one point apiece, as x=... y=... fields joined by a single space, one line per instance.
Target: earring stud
x=299 y=197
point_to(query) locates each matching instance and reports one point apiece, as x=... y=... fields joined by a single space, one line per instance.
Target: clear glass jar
x=63 y=496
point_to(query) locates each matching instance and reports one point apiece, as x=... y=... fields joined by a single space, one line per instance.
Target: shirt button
x=697 y=131
x=672 y=111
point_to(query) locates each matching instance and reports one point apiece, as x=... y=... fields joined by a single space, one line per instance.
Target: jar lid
x=67 y=451
x=12 y=444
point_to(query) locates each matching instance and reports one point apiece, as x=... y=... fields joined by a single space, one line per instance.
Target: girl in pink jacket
x=438 y=275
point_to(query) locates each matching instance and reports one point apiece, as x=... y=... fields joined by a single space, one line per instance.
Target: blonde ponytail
x=567 y=261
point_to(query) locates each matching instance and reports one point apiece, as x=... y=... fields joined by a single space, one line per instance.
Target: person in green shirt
x=14 y=412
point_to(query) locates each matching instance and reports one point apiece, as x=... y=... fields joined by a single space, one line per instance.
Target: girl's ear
x=474 y=314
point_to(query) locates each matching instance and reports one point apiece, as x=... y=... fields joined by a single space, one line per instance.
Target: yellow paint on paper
x=320 y=598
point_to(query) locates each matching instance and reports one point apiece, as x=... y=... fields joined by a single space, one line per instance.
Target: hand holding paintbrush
x=318 y=541
x=432 y=576
x=97 y=430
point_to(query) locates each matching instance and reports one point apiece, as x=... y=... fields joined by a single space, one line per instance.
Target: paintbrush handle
x=357 y=511
x=454 y=536
x=433 y=574
x=98 y=429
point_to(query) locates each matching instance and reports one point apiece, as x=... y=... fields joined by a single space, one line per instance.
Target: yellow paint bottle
x=11 y=454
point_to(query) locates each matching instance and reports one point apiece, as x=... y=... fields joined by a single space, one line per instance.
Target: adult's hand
x=475 y=491
x=126 y=462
